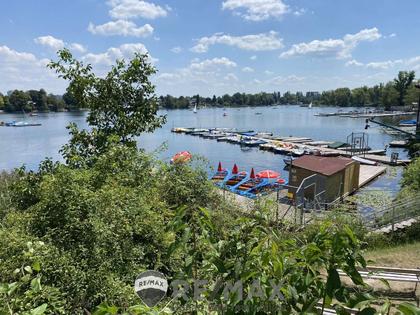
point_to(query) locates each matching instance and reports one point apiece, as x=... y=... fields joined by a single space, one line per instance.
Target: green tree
x=1 y=101
x=18 y=101
x=402 y=83
x=342 y=97
x=122 y=104
x=389 y=96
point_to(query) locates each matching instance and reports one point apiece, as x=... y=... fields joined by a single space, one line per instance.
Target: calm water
x=30 y=145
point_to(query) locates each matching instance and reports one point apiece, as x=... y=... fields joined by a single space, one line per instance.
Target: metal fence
x=397 y=212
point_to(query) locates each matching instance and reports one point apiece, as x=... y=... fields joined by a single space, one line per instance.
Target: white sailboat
x=310 y=105
x=195 y=109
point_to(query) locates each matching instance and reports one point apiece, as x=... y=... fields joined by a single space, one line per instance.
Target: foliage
x=399 y=92
x=2 y=101
x=26 y=294
x=402 y=83
x=411 y=177
x=31 y=100
x=122 y=105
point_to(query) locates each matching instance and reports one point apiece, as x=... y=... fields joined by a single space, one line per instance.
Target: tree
x=18 y=101
x=402 y=83
x=389 y=96
x=39 y=99
x=70 y=101
x=342 y=97
x=1 y=101
x=122 y=105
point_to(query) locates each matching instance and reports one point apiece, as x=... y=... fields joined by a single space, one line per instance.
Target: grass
x=402 y=256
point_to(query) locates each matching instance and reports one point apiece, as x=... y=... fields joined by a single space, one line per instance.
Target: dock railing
x=398 y=212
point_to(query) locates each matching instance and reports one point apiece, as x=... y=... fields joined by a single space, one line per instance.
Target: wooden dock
x=385 y=160
x=399 y=144
x=369 y=173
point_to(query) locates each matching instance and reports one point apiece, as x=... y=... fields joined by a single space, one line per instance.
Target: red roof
x=323 y=165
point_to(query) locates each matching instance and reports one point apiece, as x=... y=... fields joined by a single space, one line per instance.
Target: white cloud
x=247 y=69
x=50 y=41
x=231 y=77
x=383 y=64
x=299 y=12
x=392 y=35
x=278 y=80
x=56 y=44
x=268 y=72
x=339 y=48
x=176 y=49
x=104 y=60
x=213 y=64
x=253 y=57
x=256 y=10
x=258 y=42
x=78 y=47
x=353 y=62
x=213 y=73
x=121 y=27
x=22 y=70
x=126 y=9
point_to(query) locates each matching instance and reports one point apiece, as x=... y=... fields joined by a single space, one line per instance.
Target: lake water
x=30 y=145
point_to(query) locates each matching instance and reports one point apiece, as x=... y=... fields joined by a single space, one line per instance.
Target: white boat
x=195 y=109
x=364 y=161
x=310 y=105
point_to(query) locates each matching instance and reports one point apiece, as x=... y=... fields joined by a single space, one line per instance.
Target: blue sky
x=215 y=46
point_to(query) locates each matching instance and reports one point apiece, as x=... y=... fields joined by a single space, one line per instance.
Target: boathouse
x=339 y=176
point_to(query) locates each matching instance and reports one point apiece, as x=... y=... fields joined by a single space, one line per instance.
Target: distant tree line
x=36 y=100
x=399 y=92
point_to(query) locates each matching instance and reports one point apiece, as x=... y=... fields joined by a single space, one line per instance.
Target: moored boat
x=235 y=178
x=407 y=123
x=220 y=174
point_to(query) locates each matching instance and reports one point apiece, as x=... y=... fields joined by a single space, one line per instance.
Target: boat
x=224 y=114
x=364 y=161
x=249 y=142
x=407 y=123
x=33 y=114
x=289 y=160
x=251 y=183
x=235 y=178
x=195 y=109
x=220 y=174
x=21 y=124
x=265 y=189
x=298 y=152
x=258 y=113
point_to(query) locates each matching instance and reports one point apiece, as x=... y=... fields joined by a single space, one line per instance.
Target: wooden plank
x=369 y=173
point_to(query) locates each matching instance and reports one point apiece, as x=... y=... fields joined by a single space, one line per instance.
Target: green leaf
x=36 y=284
x=36 y=266
x=408 y=309
x=28 y=269
x=368 y=311
x=333 y=282
x=39 y=310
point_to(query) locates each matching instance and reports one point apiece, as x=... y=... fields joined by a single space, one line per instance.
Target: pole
x=418 y=115
x=418 y=118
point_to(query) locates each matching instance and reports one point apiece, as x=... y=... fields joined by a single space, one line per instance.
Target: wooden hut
x=340 y=175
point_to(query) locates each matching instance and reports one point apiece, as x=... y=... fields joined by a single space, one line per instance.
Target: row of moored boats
x=246 y=184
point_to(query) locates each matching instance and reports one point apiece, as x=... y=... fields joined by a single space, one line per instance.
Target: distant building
x=339 y=175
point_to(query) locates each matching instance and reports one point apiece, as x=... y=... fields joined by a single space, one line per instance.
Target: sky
x=213 y=47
